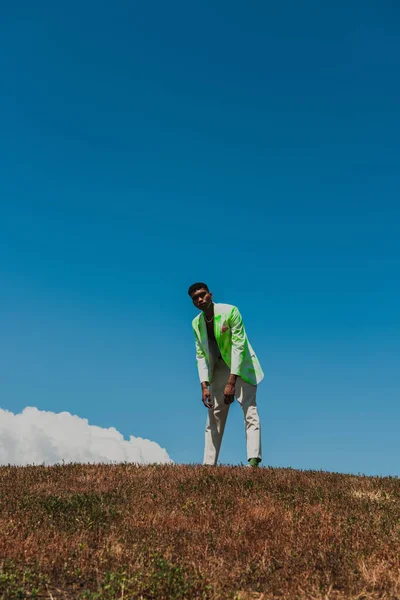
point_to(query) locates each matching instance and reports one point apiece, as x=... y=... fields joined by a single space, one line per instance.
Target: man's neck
x=209 y=311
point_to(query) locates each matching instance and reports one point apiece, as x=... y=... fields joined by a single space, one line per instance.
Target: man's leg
x=246 y=395
x=217 y=415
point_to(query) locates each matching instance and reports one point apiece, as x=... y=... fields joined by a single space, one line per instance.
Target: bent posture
x=228 y=368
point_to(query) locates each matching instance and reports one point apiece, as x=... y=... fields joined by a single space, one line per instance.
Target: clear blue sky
x=145 y=146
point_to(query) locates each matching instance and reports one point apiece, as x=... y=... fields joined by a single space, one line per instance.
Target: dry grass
x=173 y=532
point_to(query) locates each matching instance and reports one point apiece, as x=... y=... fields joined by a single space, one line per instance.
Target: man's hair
x=197 y=286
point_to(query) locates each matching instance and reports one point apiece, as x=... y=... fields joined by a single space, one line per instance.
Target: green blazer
x=232 y=342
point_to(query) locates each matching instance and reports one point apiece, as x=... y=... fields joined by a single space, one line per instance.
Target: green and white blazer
x=232 y=342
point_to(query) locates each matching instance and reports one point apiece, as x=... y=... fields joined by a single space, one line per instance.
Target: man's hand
x=206 y=397
x=229 y=393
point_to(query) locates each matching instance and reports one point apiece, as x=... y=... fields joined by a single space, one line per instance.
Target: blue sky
x=255 y=146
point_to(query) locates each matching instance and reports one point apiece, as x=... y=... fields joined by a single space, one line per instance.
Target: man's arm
x=237 y=353
x=238 y=342
x=203 y=372
x=201 y=360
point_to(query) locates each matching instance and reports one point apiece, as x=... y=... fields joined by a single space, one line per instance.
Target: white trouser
x=216 y=419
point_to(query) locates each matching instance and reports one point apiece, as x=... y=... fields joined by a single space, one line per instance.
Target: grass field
x=173 y=532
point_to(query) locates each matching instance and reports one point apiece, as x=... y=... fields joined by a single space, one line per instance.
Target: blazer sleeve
x=238 y=341
x=202 y=365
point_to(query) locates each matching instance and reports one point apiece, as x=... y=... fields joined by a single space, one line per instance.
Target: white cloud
x=37 y=436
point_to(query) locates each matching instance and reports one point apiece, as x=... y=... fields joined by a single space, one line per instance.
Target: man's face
x=202 y=299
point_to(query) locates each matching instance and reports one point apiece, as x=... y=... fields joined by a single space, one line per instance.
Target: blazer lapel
x=217 y=324
x=201 y=324
x=203 y=332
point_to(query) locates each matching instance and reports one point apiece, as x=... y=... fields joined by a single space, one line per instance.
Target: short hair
x=197 y=286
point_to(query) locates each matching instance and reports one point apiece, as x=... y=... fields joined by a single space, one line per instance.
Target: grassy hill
x=173 y=532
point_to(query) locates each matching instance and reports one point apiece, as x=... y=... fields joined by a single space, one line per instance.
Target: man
x=227 y=367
